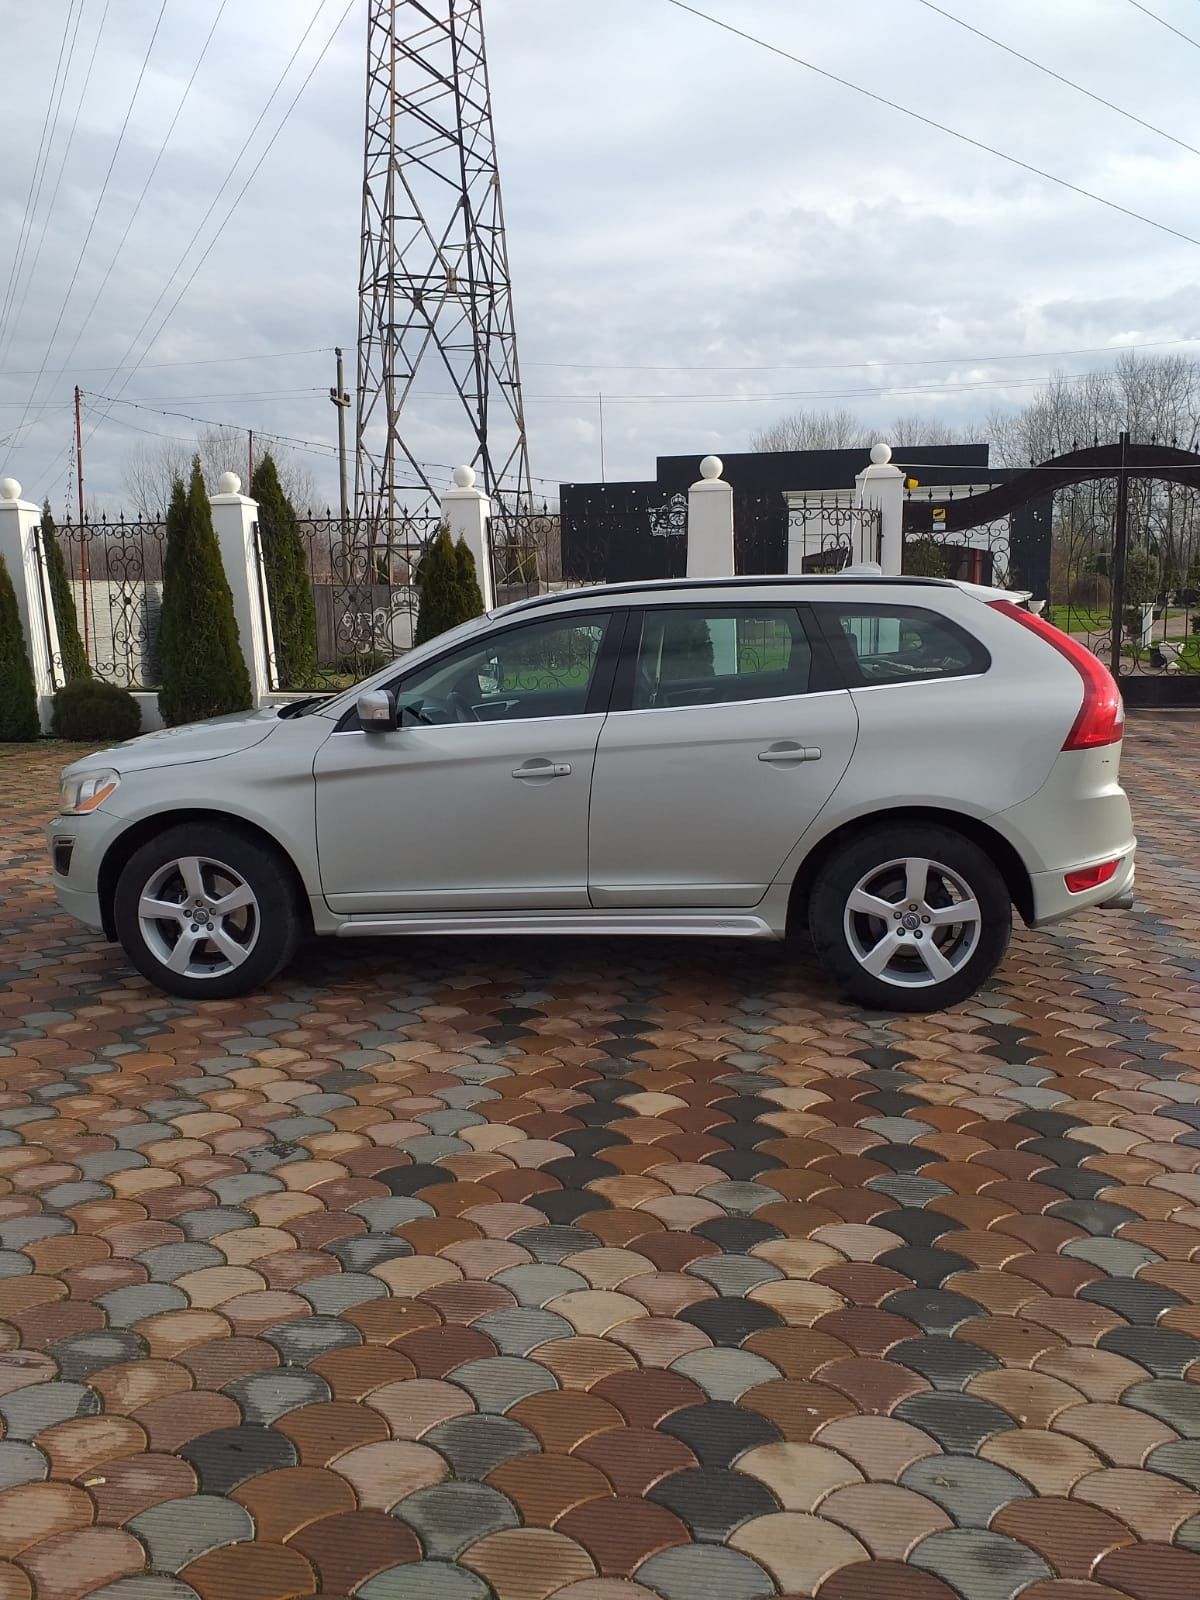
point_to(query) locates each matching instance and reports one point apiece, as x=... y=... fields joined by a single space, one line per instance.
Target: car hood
x=194 y=741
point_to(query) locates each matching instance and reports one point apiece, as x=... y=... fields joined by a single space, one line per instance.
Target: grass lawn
x=1078 y=619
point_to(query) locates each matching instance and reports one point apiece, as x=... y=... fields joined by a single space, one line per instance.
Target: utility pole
x=83 y=544
x=249 y=459
x=342 y=401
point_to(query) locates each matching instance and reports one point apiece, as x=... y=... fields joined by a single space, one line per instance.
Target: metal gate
x=1107 y=541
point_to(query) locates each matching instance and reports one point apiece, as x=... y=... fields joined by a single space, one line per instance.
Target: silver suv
x=892 y=763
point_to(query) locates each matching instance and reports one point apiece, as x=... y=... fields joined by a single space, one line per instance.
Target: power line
x=929 y=122
x=1058 y=77
x=1162 y=22
x=223 y=361
x=35 y=177
x=856 y=366
x=116 y=255
x=14 y=321
x=87 y=238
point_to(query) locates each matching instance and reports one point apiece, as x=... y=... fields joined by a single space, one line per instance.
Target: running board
x=599 y=924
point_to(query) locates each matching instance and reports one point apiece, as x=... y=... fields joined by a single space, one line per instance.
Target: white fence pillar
x=881 y=486
x=19 y=545
x=235 y=522
x=467 y=512
x=710 y=523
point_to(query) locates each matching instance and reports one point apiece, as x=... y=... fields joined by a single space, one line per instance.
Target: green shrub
x=293 y=610
x=923 y=558
x=448 y=587
x=1141 y=576
x=203 y=670
x=18 y=697
x=73 y=656
x=361 y=665
x=92 y=711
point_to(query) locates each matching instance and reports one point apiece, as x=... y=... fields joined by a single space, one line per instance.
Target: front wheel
x=206 y=912
x=910 y=918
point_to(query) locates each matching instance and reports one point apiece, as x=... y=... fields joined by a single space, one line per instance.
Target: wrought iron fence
x=115 y=573
x=526 y=552
x=826 y=533
x=363 y=579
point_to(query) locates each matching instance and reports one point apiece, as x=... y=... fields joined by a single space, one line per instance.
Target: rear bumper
x=1052 y=900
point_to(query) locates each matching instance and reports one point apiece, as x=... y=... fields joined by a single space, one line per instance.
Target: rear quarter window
x=880 y=644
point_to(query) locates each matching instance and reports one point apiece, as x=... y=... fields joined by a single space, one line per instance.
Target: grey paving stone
x=14 y=1265
x=21 y=1463
x=133 y=1135
x=1171 y=1400
x=448 y=1517
x=178 y=1531
x=300 y=1342
x=937 y=1311
x=496 y=1383
x=733 y=1274
x=928 y=1266
x=741 y=1199
x=151 y=1586
x=986 y=1566
x=476 y=1445
x=227 y=1457
x=713 y=1501
x=363 y=1251
x=536 y=1283
x=1178 y=1459
x=82 y=1354
x=424 y=1580
x=386 y=1212
x=238 y=1186
x=718 y=1433
x=166 y=1262
x=212 y=1221
x=946 y=1363
x=27 y=1412
x=909 y=1189
x=959 y=1422
x=16 y=1232
x=338 y=1291
x=263 y=1396
x=1139 y=1303
x=1096 y=1216
x=689 y=1571
x=61 y=1196
x=969 y=1490
x=553 y=1243
x=725 y=1374
x=450 y=1121
x=1120 y=1258
x=124 y=1307
x=730 y=1320
x=517 y=1330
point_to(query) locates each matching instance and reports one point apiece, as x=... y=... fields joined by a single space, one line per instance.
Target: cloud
x=676 y=198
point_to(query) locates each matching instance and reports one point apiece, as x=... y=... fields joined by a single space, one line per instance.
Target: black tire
x=270 y=930
x=970 y=954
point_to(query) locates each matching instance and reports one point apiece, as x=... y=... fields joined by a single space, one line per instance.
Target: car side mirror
x=377 y=711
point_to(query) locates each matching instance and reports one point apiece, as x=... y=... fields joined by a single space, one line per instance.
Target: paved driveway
x=601 y=1271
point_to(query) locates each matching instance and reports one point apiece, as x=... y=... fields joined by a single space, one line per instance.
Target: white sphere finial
x=712 y=467
x=10 y=489
x=229 y=483
x=464 y=477
x=881 y=454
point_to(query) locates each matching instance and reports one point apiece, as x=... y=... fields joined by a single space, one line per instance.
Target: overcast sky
x=676 y=198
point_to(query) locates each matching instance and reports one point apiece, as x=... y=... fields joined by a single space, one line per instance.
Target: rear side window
x=899 y=644
x=693 y=655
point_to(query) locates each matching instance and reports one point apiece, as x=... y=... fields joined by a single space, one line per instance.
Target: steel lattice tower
x=435 y=297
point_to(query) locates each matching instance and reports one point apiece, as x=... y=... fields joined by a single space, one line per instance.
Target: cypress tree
x=18 y=697
x=440 y=580
x=293 y=610
x=74 y=658
x=470 y=594
x=203 y=670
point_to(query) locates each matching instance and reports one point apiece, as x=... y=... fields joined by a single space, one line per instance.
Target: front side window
x=539 y=669
x=900 y=644
x=699 y=655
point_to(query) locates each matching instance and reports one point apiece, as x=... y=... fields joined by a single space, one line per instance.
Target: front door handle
x=788 y=753
x=542 y=768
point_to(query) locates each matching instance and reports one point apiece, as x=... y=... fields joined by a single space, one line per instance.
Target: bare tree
x=151 y=469
x=913 y=429
x=815 y=430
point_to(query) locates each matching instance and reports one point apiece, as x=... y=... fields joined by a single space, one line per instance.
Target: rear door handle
x=790 y=754
x=543 y=769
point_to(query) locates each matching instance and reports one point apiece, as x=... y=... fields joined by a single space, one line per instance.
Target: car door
x=479 y=799
x=725 y=739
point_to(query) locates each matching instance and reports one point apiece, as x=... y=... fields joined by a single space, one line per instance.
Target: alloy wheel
x=912 y=922
x=199 y=917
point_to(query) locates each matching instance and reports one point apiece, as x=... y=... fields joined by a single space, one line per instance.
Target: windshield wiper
x=300 y=708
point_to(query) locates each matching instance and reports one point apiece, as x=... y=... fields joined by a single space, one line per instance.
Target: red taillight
x=1091 y=877
x=1101 y=718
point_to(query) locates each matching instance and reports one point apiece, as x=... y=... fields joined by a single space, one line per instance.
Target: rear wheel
x=207 y=912
x=910 y=918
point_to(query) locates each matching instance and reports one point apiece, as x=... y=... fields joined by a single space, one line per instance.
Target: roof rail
x=743 y=581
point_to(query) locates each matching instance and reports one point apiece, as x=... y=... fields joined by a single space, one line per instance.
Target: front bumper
x=80 y=843
x=1052 y=900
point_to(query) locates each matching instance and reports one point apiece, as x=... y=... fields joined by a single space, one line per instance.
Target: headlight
x=82 y=794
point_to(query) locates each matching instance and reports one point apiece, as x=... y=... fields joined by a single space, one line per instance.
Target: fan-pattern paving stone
x=602 y=1272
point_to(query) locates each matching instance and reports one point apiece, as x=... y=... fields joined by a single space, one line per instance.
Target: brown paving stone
x=888 y=1520
x=1151 y=1505
x=1069 y=1534
x=619 y=1534
x=71 y=1565
x=1151 y=1572
x=127 y=1487
x=174 y=1419
x=292 y=1498
x=32 y=1512
x=528 y=1563
x=887 y=1580
x=634 y=1459
x=257 y=1571
x=214 y=1365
